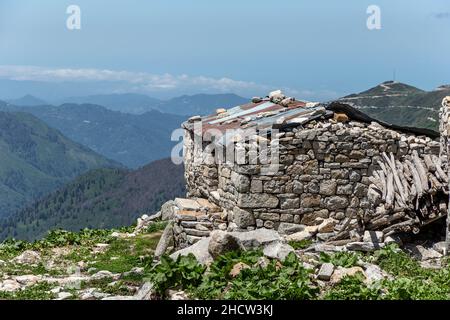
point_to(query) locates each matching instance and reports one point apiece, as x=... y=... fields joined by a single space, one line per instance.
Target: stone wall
x=323 y=176
x=201 y=173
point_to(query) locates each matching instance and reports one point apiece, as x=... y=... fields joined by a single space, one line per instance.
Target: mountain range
x=133 y=103
x=401 y=104
x=102 y=198
x=36 y=159
x=132 y=140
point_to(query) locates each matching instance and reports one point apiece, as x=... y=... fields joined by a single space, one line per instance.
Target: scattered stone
x=27 y=280
x=168 y=210
x=198 y=249
x=257 y=238
x=287 y=228
x=9 y=285
x=187 y=204
x=363 y=246
x=56 y=290
x=222 y=242
x=277 y=250
x=393 y=239
x=145 y=292
x=164 y=241
x=28 y=257
x=104 y=274
x=341 y=272
x=373 y=236
x=422 y=253
x=325 y=272
x=374 y=273
x=299 y=236
x=262 y=262
x=64 y=295
x=327 y=225
x=243 y=218
x=121 y=298
x=440 y=247
x=323 y=247
x=177 y=295
x=237 y=268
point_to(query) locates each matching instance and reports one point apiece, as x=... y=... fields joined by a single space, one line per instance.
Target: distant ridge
x=27 y=101
x=185 y=105
x=401 y=104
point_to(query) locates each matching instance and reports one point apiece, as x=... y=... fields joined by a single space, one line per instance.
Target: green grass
x=38 y=291
x=340 y=259
x=302 y=244
x=124 y=254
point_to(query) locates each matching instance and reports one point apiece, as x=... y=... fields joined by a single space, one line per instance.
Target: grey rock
x=145 y=292
x=325 y=271
x=241 y=182
x=328 y=188
x=300 y=236
x=243 y=218
x=323 y=247
x=261 y=200
x=9 y=285
x=121 y=298
x=197 y=233
x=28 y=257
x=104 y=274
x=187 y=204
x=198 y=249
x=374 y=273
x=256 y=238
x=155 y=216
x=168 y=210
x=222 y=242
x=256 y=186
x=277 y=250
x=336 y=202
x=423 y=253
x=289 y=202
x=325 y=236
x=164 y=241
x=364 y=246
x=373 y=236
x=439 y=247
x=290 y=228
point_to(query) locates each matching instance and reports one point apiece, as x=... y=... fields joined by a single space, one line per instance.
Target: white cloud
x=150 y=83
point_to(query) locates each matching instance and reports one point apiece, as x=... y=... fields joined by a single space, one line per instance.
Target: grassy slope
x=400 y=104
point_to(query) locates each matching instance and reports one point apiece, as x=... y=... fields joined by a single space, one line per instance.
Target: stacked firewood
x=408 y=193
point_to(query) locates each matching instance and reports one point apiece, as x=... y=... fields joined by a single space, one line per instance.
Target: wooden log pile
x=407 y=193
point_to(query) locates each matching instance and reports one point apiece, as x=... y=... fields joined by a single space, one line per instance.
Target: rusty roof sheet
x=262 y=115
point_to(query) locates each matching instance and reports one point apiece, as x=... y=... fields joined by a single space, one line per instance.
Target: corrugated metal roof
x=261 y=115
x=269 y=113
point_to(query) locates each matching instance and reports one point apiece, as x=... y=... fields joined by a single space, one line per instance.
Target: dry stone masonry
x=338 y=174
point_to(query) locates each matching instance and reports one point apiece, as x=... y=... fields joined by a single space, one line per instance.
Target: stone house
x=295 y=163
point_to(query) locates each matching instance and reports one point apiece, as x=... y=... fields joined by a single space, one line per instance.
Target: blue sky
x=313 y=49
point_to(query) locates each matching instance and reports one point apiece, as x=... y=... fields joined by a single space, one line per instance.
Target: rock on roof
x=278 y=111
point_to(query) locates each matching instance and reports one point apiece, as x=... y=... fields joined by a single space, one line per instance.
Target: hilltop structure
x=326 y=170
